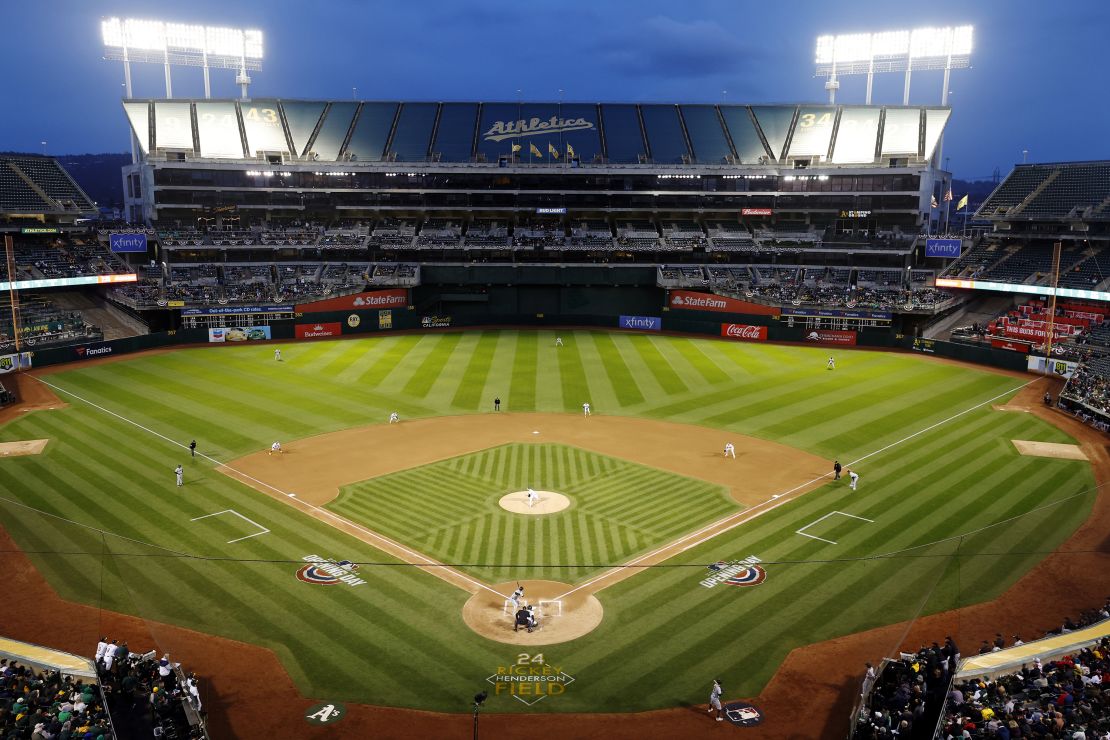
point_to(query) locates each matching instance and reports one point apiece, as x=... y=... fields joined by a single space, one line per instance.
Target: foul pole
x=13 y=296
x=1050 y=328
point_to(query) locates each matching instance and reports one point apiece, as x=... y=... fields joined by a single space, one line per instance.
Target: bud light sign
x=947 y=248
x=643 y=323
x=127 y=242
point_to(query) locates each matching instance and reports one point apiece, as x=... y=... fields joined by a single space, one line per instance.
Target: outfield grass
x=619 y=509
x=400 y=639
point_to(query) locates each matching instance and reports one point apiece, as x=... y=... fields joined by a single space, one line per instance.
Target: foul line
x=236 y=513
x=731 y=522
x=802 y=531
x=320 y=511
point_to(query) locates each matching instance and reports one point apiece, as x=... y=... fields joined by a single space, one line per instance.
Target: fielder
x=558 y=341
x=853 y=478
x=180 y=472
x=585 y=409
x=715 y=699
x=730 y=450
x=276 y=447
x=533 y=497
x=394 y=418
x=277 y=355
x=831 y=365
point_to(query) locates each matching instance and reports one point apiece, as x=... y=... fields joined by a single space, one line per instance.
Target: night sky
x=1038 y=80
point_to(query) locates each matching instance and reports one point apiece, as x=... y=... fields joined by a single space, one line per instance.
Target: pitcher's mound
x=548 y=503
x=26 y=447
x=558 y=619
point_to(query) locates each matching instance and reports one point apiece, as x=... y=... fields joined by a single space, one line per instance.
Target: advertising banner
x=756 y=211
x=237 y=310
x=693 y=301
x=947 y=248
x=318 y=331
x=744 y=332
x=11 y=363
x=1012 y=346
x=92 y=350
x=836 y=314
x=217 y=335
x=393 y=298
x=830 y=336
x=247 y=333
x=1037 y=364
x=127 y=242
x=644 y=323
x=385 y=319
x=435 y=322
x=923 y=345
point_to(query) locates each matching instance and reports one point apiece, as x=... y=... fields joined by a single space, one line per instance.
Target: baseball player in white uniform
x=831 y=365
x=853 y=479
x=394 y=418
x=730 y=450
x=558 y=341
x=275 y=447
x=101 y=648
x=585 y=409
x=533 y=497
x=516 y=597
x=180 y=473
x=715 y=700
x=277 y=355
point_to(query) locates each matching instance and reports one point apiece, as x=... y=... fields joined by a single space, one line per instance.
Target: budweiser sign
x=316 y=331
x=756 y=211
x=745 y=332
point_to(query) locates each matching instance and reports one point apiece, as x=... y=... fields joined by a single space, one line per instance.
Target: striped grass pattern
x=619 y=509
x=957 y=514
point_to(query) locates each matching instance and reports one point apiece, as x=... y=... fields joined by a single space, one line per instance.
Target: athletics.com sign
x=643 y=323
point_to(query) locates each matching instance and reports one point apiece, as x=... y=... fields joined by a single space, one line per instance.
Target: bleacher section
x=1052 y=191
x=31 y=184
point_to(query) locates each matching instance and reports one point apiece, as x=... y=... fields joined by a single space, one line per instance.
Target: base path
x=316 y=468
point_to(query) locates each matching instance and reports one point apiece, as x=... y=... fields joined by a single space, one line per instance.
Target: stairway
x=1036 y=191
x=978 y=310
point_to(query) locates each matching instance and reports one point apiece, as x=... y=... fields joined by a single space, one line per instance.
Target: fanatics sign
x=745 y=332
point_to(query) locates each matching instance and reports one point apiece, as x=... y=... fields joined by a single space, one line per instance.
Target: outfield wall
x=629 y=307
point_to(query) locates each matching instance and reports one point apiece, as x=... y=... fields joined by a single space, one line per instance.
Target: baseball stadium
x=404 y=418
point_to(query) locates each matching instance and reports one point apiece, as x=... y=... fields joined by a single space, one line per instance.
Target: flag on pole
x=962 y=203
x=535 y=152
x=516 y=148
x=570 y=150
x=934 y=204
x=552 y=150
x=948 y=194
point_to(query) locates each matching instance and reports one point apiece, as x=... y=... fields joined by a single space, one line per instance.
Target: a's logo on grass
x=746 y=572
x=529 y=679
x=324 y=572
x=743 y=714
x=327 y=713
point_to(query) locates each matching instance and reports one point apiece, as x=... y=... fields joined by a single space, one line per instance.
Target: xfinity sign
x=947 y=248
x=127 y=242
x=641 y=323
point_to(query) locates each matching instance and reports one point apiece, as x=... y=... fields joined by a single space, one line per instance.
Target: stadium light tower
x=893 y=51
x=184 y=45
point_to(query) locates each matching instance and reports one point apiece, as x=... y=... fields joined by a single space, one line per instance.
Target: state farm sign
x=694 y=301
x=745 y=332
x=317 y=331
x=393 y=298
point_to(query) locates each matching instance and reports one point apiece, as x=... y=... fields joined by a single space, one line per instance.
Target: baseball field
x=669 y=565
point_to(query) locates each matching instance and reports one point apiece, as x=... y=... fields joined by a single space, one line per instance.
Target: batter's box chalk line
x=803 y=533
x=546 y=608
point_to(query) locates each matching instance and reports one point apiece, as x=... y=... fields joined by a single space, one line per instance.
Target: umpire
x=836 y=470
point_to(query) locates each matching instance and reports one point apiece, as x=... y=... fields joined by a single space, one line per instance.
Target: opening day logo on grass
x=530 y=679
x=744 y=572
x=324 y=572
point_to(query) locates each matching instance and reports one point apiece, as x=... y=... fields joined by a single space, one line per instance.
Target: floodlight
x=890 y=43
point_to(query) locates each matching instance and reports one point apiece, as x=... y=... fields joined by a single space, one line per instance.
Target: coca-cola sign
x=745 y=332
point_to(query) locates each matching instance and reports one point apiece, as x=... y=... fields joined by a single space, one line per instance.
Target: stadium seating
x=43 y=324
x=40 y=185
x=38 y=703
